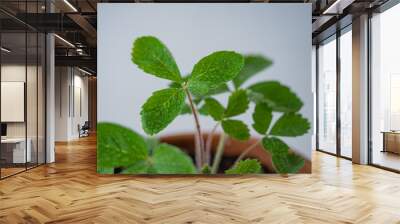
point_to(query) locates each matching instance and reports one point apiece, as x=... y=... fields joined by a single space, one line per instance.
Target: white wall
x=33 y=127
x=69 y=81
x=192 y=31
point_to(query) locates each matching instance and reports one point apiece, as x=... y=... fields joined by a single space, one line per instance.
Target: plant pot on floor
x=233 y=148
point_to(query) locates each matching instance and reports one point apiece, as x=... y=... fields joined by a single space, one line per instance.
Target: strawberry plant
x=221 y=72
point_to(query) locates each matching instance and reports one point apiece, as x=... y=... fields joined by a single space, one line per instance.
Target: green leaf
x=248 y=166
x=284 y=160
x=237 y=104
x=289 y=163
x=161 y=109
x=206 y=169
x=290 y=124
x=220 y=89
x=277 y=96
x=203 y=110
x=168 y=159
x=118 y=146
x=213 y=70
x=175 y=85
x=103 y=170
x=140 y=167
x=214 y=108
x=236 y=129
x=253 y=64
x=275 y=145
x=197 y=101
x=153 y=57
x=262 y=117
x=186 y=109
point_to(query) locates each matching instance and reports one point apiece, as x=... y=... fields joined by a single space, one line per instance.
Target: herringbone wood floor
x=70 y=191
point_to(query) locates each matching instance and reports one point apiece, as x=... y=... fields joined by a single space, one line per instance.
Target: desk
x=15 y=148
x=391 y=141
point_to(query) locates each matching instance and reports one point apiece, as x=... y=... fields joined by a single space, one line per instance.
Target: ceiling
x=76 y=21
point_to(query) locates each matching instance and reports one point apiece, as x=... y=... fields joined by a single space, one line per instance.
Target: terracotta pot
x=233 y=149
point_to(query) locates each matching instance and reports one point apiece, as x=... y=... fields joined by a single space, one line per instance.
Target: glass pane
x=346 y=94
x=41 y=98
x=327 y=96
x=14 y=153
x=32 y=95
x=385 y=116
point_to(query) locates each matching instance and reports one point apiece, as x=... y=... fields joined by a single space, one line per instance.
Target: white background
x=281 y=32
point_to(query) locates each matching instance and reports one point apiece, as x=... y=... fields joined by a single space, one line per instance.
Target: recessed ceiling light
x=70 y=5
x=331 y=7
x=65 y=41
x=84 y=71
x=5 y=50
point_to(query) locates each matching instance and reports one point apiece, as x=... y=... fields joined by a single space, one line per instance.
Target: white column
x=50 y=100
x=360 y=90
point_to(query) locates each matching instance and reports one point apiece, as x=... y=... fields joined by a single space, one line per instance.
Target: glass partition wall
x=334 y=90
x=22 y=77
x=385 y=90
x=327 y=96
x=345 y=61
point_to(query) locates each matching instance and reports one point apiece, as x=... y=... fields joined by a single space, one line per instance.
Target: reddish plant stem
x=198 y=135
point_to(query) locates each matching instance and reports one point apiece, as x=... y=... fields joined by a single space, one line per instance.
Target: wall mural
x=242 y=122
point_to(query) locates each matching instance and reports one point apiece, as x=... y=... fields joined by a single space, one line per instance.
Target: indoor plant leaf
x=104 y=170
x=284 y=160
x=213 y=70
x=161 y=109
x=153 y=57
x=206 y=169
x=287 y=163
x=277 y=96
x=168 y=159
x=253 y=64
x=214 y=108
x=118 y=146
x=237 y=104
x=262 y=117
x=165 y=159
x=290 y=124
x=223 y=88
x=186 y=109
x=203 y=110
x=236 y=129
x=275 y=145
x=140 y=167
x=248 y=166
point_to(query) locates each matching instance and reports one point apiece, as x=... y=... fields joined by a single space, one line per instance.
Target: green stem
x=246 y=151
x=219 y=153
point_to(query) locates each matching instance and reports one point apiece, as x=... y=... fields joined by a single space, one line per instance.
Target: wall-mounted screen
x=12 y=101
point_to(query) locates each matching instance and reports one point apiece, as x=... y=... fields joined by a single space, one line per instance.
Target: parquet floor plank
x=70 y=191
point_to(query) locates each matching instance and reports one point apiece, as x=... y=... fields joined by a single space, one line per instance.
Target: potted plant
x=121 y=150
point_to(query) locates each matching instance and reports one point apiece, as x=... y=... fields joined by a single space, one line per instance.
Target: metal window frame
x=381 y=9
x=339 y=32
x=44 y=74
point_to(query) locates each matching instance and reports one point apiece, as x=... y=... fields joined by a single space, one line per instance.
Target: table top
x=391 y=132
x=13 y=140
